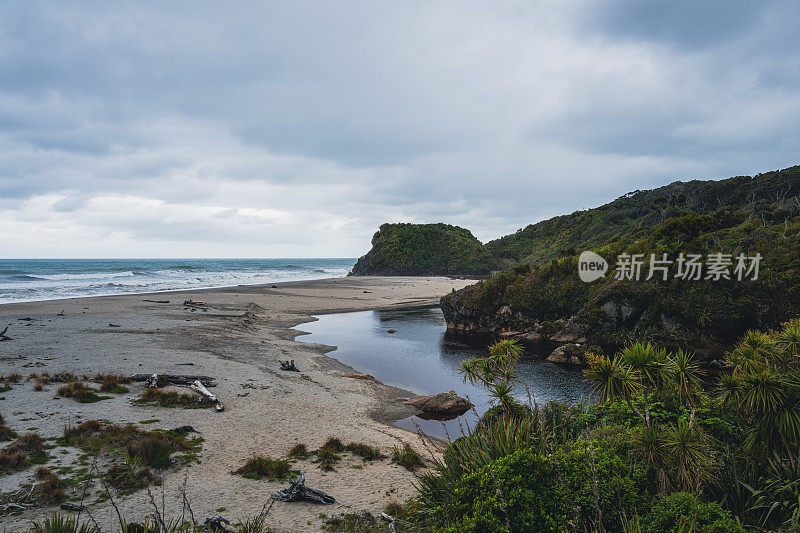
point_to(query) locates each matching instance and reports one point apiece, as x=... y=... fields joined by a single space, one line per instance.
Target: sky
x=294 y=129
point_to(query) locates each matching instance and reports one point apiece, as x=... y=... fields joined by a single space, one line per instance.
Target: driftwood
x=61 y=313
x=69 y=506
x=298 y=492
x=217 y=524
x=3 y=336
x=197 y=386
x=174 y=379
x=193 y=305
x=289 y=366
x=392 y=522
x=157 y=301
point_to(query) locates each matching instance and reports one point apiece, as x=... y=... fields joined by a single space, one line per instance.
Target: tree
x=496 y=372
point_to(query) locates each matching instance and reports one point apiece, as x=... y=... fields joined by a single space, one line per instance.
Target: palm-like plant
x=650 y=448
x=755 y=350
x=496 y=372
x=691 y=454
x=639 y=368
x=59 y=523
x=648 y=361
x=686 y=374
x=765 y=386
x=788 y=340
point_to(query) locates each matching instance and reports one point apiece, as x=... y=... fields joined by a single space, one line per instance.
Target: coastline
x=239 y=340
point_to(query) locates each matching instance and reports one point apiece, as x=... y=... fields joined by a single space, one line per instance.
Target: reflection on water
x=422 y=357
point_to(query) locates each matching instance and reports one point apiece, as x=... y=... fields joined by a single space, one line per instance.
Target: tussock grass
x=68 y=377
x=407 y=457
x=333 y=444
x=327 y=458
x=19 y=455
x=13 y=460
x=365 y=451
x=51 y=488
x=130 y=475
x=363 y=522
x=11 y=378
x=262 y=466
x=6 y=433
x=155 y=452
x=78 y=391
x=7 y=381
x=171 y=398
x=97 y=437
x=299 y=451
x=40 y=379
x=136 y=452
x=112 y=383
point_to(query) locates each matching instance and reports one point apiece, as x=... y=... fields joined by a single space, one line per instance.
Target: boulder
x=570 y=333
x=566 y=353
x=559 y=355
x=443 y=403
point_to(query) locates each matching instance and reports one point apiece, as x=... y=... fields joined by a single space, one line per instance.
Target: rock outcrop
x=424 y=250
x=444 y=403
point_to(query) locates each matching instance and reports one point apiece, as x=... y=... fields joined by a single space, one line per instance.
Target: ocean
x=25 y=280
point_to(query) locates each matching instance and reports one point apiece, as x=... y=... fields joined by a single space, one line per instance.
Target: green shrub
x=684 y=509
x=527 y=487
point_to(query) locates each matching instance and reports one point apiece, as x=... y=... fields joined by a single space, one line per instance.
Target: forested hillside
x=743 y=215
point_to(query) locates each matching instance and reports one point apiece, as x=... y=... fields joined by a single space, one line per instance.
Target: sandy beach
x=239 y=340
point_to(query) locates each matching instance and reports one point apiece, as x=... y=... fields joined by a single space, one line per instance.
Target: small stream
x=423 y=357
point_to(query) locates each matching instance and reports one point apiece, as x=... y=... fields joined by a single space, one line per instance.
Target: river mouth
x=423 y=357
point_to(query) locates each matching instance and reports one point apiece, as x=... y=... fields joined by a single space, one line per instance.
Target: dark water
x=423 y=358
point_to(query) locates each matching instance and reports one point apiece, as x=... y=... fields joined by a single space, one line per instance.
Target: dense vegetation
x=424 y=249
x=668 y=449
x=744 y=215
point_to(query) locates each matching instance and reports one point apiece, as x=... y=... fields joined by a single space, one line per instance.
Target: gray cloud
x=295 y=128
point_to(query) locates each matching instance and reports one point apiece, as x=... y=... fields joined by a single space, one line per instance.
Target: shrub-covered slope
x=424 y=249
x=544 y=295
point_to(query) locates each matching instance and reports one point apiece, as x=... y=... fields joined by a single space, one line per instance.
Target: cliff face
x=544 y=297
x=424 y=250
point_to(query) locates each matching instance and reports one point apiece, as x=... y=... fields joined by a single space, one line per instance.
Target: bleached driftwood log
x=298 y=492
x=3 y=336
x=197 y=386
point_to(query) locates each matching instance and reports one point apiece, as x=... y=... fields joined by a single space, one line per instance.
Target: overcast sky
x=285 y=129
